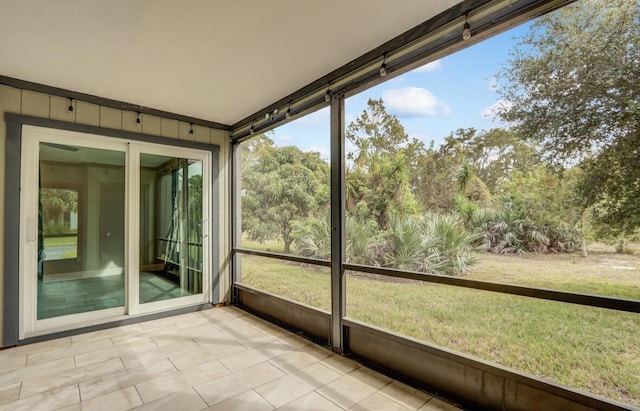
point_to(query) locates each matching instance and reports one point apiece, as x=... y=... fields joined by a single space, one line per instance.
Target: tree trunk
x=583 y=243
x=286 y=237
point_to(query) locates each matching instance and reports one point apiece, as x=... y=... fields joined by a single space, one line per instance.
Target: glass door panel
x=109 y=228
x=171 y=227
x=81 y=227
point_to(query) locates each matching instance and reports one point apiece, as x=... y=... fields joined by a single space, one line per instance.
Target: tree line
x=565 y=170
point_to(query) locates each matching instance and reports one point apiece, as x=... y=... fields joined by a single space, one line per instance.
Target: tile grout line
x=193 y=388
x=327 y=398
x=79 y=393
x=266 y=400
x=393 y=399
x=135 y=386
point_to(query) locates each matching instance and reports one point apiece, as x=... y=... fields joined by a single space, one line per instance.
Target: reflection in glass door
x=81 y=220
x=171 y=227
x=109 y=228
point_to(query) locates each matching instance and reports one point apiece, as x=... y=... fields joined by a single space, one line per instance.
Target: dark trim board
x=283 y=256
x=11 y=294
x=106 y=102
x=11 y=307
x=21 y=120
x=601 y=301
x=338 y=227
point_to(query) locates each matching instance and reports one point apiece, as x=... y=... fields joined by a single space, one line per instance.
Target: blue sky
x=457 y=91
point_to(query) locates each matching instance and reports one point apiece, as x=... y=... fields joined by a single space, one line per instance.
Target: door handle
x=31 y=230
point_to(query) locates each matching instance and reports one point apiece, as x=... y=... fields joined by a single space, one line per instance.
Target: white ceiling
x=217 y=60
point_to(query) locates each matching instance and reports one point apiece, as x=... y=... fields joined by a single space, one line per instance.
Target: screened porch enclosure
x=128 y=135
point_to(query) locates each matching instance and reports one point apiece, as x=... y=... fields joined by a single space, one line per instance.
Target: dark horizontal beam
x=613 y=303
x=282 y=256
x=361 y=74
x=107 y=102
x=393 y=44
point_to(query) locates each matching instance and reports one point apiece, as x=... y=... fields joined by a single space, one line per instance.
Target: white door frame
x=32 y=136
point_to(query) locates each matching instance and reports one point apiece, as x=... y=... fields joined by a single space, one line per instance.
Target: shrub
x=312 y=237
x=505 y=230
x=432 y=243
x=363 y=241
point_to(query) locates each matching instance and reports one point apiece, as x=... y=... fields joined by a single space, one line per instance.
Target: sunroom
x=172 y=159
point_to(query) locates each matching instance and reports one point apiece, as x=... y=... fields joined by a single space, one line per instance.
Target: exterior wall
x=27 y=102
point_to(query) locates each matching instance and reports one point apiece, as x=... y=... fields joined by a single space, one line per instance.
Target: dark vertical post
x=338 y=303
x=236 y=218
x=11 y=311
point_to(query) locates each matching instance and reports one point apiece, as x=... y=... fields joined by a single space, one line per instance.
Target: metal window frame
x=438 y=37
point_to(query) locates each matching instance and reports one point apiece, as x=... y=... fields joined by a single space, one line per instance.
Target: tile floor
x=218 y=359
x=72 y=296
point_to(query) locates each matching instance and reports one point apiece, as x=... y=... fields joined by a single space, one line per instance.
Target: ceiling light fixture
x=466 y=29
x=191 y=130
x=383 y=67
x=70 y=109
x=287 y=114
x=138 y=121
x=252 y=130
x=327 y=95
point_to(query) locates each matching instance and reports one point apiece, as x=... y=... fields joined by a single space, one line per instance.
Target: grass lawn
x=60 y=241
x=51 y=242
x=594 y=349
x=603 y=273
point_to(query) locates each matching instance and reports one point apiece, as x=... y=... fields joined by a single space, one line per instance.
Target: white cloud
x=414 y=102
x=429 y=67
x=491 y=111
x=444 y=108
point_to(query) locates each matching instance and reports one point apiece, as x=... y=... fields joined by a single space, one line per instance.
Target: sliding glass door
x=110 y=228
x=173 y=223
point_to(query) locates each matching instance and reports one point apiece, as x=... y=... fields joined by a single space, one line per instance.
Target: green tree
x=484 y=158
x=433 y=180
x=543 y=195
x=56 y=204
x=492 y=155
x=572 y=86
x=377 y=182
x=279 y=186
